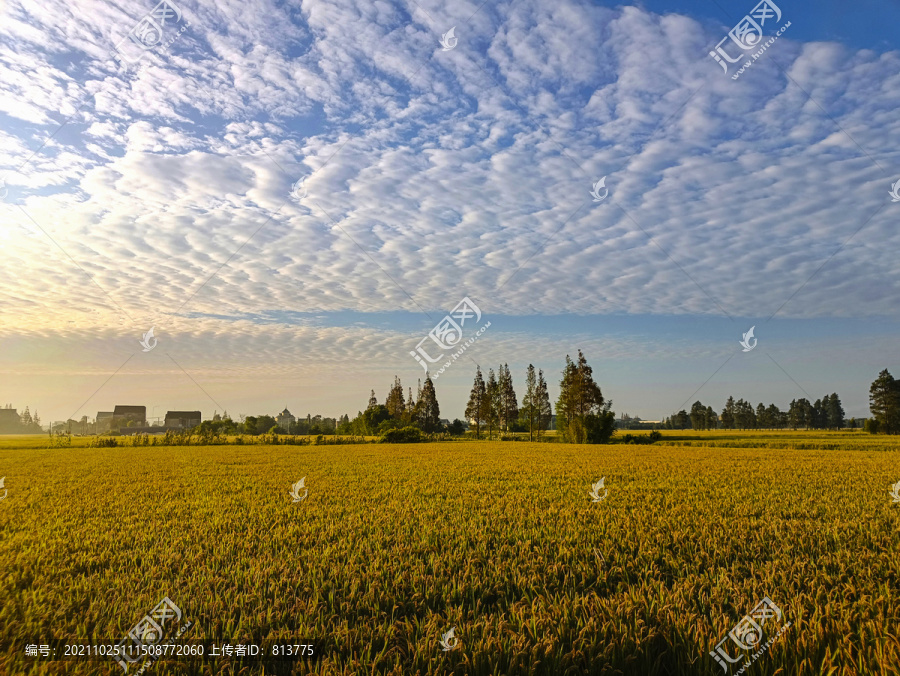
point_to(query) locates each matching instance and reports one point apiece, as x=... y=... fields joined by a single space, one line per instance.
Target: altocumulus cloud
x=432 y=175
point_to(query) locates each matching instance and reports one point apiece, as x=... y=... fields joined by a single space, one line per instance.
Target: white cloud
x=441 y=179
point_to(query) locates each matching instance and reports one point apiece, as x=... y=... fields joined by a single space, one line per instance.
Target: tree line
x=266 y=424
x=825 y=413
x=399 y=412
x=583 y=414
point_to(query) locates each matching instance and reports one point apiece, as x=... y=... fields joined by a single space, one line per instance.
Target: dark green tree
x=457 y=428
x=681 y=420
x=728 y=414
x=698 y=416
x=884 y=403
x=835 y=412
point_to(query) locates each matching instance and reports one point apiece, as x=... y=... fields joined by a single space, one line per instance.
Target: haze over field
x=162 y=199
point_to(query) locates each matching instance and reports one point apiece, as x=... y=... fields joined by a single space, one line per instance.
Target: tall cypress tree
x=411 y=410
x=530 y=404
x=492 y=403
x=428 y=409
x=475 y=407
x=566 y=403
x=508 y=402
x=545 y=412
x=396 y=403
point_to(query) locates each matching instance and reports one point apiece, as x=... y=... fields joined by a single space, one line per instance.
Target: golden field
x=395 y=544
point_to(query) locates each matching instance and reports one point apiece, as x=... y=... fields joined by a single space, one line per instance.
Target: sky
x=293 y=195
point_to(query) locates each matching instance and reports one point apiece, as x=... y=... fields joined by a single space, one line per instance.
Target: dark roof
x=104 y=414
x=130 y=410
x=8 y=413
x=190 y=415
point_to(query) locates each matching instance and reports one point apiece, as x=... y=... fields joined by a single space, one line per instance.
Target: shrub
x=405 y=435
x=60 y=441
x=632 y=439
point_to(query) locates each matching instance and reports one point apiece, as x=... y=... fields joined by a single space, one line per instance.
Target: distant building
x=10 y=421
x=285 y=420
x=183 y=419
x=627 y=422
x=104 y=421
x=136 y=415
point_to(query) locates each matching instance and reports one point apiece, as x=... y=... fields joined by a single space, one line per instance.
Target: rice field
x=394 y=545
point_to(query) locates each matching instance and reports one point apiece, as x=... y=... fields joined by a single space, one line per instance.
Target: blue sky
x=159 y=195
